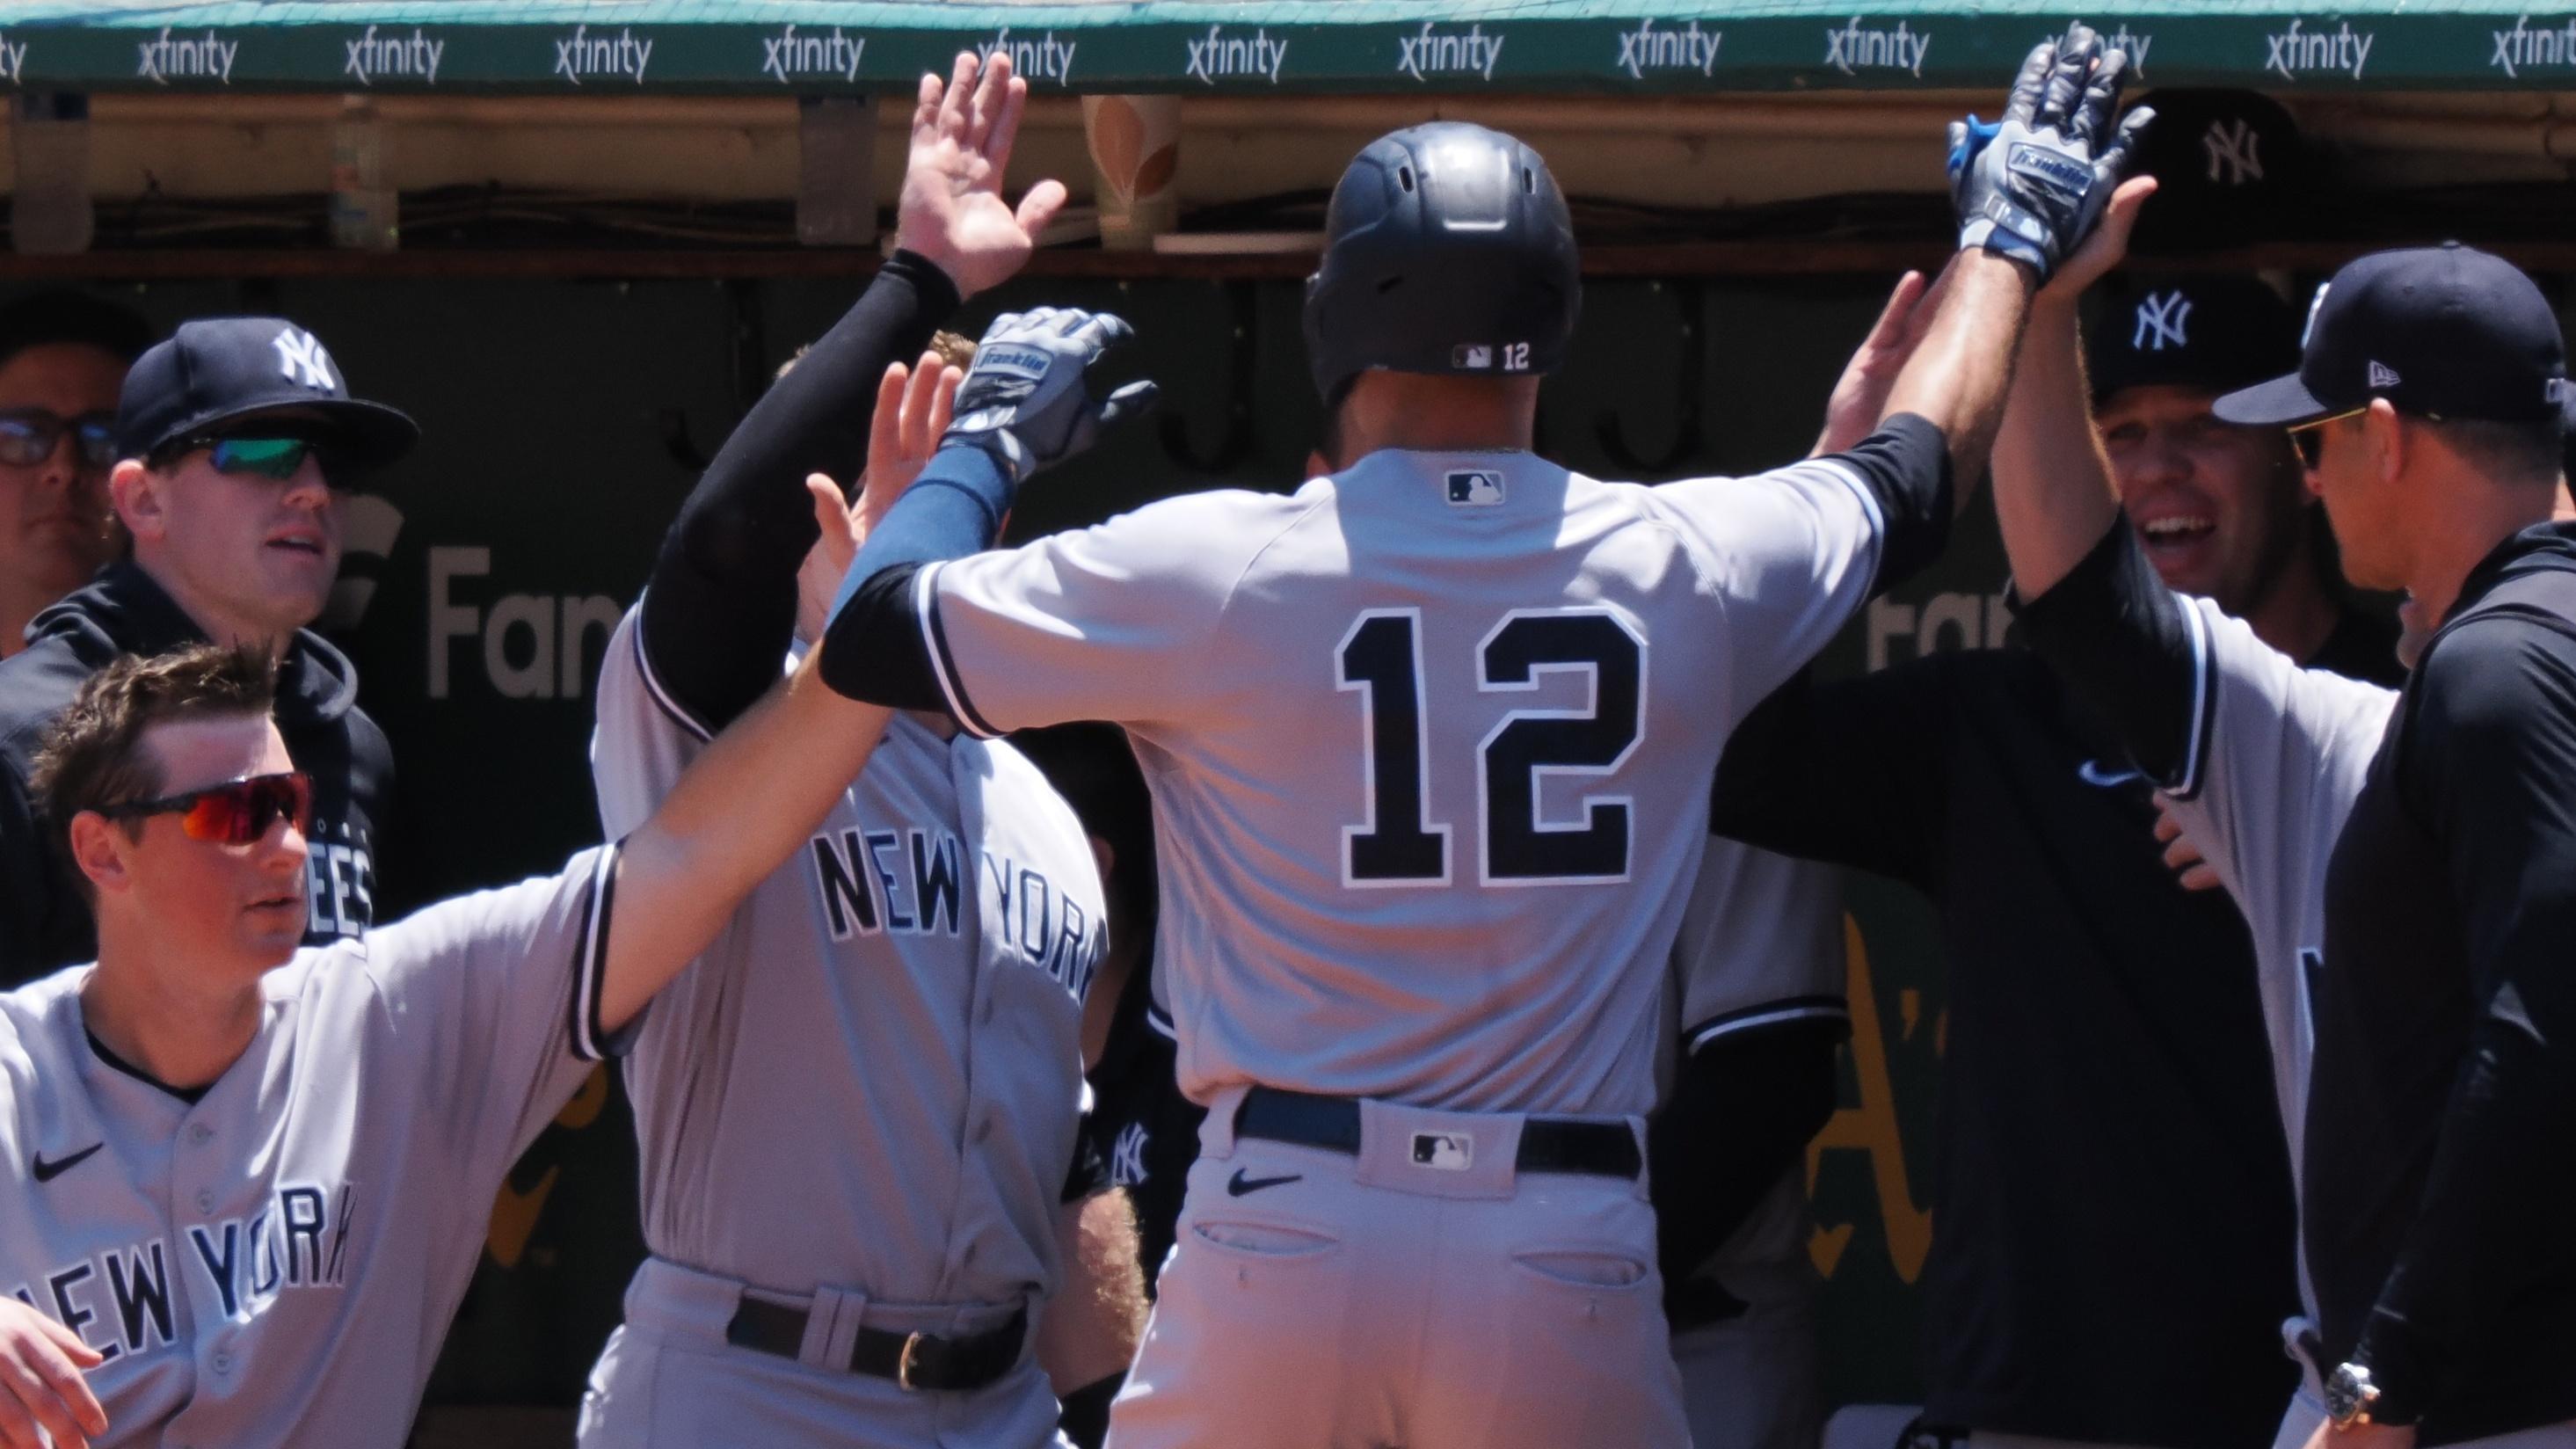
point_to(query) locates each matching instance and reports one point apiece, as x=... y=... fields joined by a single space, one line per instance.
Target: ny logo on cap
x=2161 y=319
x=2235 y=151
x=300 y=358
x=2382 y=375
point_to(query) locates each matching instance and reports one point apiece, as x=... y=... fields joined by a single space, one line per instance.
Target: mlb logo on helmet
x=1446 y=1151
x=1482 y=487
x=1472 y=356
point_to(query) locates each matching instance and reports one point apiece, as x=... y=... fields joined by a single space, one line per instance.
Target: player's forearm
x=744 y=806
x=1957 y=378
x=2053 y=492
x=1743 y=1109
x=878 y=651
x=1091 y=1327
x=721 y=606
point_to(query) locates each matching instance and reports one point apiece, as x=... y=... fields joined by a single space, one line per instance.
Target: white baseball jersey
x=2276 y=759
x=2278 y=756
x=277 y=1263
x=1429 y=744
x=873 y=1078
x=1761 y=942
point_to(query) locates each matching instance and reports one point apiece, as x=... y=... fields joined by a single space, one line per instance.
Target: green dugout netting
x=1250 y=46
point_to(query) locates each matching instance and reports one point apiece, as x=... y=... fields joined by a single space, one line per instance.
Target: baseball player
x=1759 y=969
x=858 y=1109
x=245 y=1185
x=1426 y=740
x=2265 y=767
x=234 y=437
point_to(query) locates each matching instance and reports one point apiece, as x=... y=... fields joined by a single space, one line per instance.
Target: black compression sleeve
x=874 y=649
x=721 y=608
x=2120 y=640
x=1742 y=1109
x=1906 y=467
x=2489 y=764
x=1855 y=772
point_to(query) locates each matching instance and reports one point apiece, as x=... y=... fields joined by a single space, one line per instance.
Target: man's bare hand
x=951 y=210
x=912 y=408
x=41 y=1388
x=2105 y=247
x=1860 y=398
x=2363 y=1436
x=2181 y=856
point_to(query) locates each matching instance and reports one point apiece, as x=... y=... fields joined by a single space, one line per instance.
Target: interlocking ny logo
x=2235 y=151
x=2161 y=319
x=300 y=358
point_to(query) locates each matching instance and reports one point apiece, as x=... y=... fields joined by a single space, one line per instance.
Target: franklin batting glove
x=2032 y=185
x=1028 y=399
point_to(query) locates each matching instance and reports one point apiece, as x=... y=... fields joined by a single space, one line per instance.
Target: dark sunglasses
x=28 y=436
x=273 y=458
x=2310 y=438
x=237 y=812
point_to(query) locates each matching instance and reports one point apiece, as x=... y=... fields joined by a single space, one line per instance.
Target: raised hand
x=912 y=410
x=42 y=1392
x=951 y=209
x=1029 y=401
x=1859 y=399
x=2032 y=186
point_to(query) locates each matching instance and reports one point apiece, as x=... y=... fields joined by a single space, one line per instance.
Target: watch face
x=2349 y=1395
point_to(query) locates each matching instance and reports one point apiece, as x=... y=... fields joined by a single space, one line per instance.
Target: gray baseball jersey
x=2277 y=757
x=277 y=1262
x=1429 y=744
x=873 y=1078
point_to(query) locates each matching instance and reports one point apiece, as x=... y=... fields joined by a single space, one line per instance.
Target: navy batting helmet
x=1447 y=250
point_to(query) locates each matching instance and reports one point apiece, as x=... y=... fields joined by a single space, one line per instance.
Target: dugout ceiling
x=1250 y=46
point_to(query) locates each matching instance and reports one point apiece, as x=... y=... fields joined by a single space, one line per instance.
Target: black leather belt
x=912 y=1360
x=1548 y=1144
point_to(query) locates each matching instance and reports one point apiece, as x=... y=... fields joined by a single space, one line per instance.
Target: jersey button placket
x=205 y=1200
x=200 y=1134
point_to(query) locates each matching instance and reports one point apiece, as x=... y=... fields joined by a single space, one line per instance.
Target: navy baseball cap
x=218 y=371
x=2441 y=332
x=2209 y=333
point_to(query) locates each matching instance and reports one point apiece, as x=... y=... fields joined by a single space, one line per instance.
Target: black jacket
x=44 y=922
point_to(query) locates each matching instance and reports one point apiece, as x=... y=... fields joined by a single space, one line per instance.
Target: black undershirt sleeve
x=28 y=884
x=1853 y=773
x=2489 y=765
x=1742 y=1110
x=874 y=650
x=1905 y=465
x=2119 y=638
x=721 y=609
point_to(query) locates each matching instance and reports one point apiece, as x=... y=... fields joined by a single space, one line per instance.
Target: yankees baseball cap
x=2210 y=333
x=2442 y=332
x=216 y=372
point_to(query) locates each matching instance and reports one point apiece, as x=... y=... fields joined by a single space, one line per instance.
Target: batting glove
x=1028 y=398
x=2033 y=185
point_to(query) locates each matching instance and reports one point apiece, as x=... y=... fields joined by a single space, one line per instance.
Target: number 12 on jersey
x=1397 y=844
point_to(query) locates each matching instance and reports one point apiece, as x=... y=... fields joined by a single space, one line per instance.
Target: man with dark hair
x=243 y=1185
x=235 y=438
x=63 y=355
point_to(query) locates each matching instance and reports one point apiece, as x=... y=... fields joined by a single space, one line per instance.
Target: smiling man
x=242 y=1185
x=235 y=438
x=2220 y=508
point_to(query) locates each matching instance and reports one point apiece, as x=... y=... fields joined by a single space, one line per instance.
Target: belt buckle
x=903 y=1363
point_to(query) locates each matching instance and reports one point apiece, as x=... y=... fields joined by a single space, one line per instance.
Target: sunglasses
x=28 y=436
x=237 y=812
x=2310 y=440
x=274 y=458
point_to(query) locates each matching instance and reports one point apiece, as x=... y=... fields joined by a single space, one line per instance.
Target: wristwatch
x=2350 y=1396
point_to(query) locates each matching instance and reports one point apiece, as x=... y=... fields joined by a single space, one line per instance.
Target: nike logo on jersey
x=1238 y=1185
x=2093 y=772
x=48 y=1171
